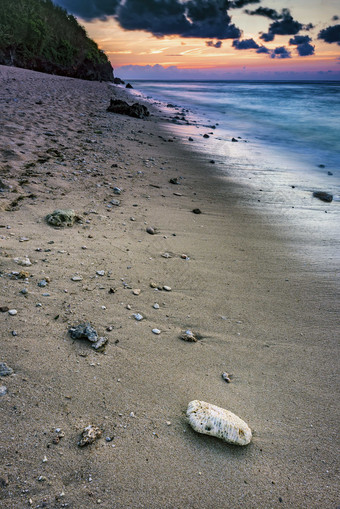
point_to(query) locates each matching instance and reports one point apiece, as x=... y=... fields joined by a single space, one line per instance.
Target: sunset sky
x=215 y=39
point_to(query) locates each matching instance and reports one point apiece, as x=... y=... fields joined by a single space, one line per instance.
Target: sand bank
x=264 y=316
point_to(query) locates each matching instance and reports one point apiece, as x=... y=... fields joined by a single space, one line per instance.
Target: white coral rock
x=215 y=421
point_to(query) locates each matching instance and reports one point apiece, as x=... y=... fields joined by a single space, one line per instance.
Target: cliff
x=38 y=35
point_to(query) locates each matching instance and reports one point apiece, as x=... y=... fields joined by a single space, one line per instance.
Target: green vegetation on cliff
x=38 y=35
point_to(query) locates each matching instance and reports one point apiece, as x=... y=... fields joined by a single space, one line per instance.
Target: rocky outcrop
x=136 y=110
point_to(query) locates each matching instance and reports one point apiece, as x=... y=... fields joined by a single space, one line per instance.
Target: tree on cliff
x=38 y=35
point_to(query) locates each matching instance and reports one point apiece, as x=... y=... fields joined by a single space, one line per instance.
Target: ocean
x=288 y=142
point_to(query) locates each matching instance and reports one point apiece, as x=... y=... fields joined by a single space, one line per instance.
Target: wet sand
x=265 y=316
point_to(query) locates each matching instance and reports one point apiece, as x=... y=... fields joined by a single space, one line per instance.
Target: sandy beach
x=264 y=316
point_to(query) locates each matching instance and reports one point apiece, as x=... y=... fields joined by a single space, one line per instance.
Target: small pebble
x=136 y=291
x=167 y=288
x=100 y=272
x=197 y=211
x=5 y=370
x=156 y=306
x=226 y=377
x=76 y=278
x=138 y=316
x=3 y=390
x=150 y=230
x=24 y=291
x=14 y=333
x=128 y=306
x=103 y=307
x=156 y=331
x=12 y=312
x=166 y=255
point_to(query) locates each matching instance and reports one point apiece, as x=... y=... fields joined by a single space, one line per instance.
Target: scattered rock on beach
x=234 y=140
x=3 y=390
x=86 y=331
x=174 y=181
x=24 y=262
x=129 y=85
x=217 y=422
x=5 y=370
x=189 y=335
x=136 y=110
x=150 y=230
x=197 y=211
x=89 y=435
x=323 y=196
x=226 y=377
x=62 y=218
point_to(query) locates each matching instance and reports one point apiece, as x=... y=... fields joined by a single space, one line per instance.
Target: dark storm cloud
x=237 y=4
x=280 y=52
x=264 y=11
x=212 y=44
x=330 y=34
x=267 y=37
x=190 y=18
x=90 y=9
x=195 y=18
x=245 y=44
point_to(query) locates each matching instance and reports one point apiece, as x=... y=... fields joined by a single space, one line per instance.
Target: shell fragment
x=215 y=421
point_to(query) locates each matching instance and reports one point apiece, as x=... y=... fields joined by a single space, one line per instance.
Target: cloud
x=189 y=18
x=286 y=25
x=237 y=4
x=330 y=34
x=90 y=9
x=264 y=11
x=267 y=37
x=217 y=44
x=302 y=45
x=245 y=44
x=305 y=49
x=262 y=49
x=280 y=52
x=283 y=22
x=194 y=18
x=299 y=39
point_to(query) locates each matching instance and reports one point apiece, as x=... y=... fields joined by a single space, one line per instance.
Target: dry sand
x=265 y=316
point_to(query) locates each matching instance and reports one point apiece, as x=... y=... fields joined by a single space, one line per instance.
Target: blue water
x=288 y=146
x=295 y=123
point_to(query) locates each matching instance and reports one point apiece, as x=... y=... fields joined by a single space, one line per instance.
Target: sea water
x=288 y=141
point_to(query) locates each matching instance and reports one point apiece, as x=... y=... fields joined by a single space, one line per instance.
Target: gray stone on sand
x=62 y=218
x=3 y=390
x=5 y=370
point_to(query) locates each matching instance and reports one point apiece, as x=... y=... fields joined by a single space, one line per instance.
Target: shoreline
x=265 y=316
x=285 y=197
